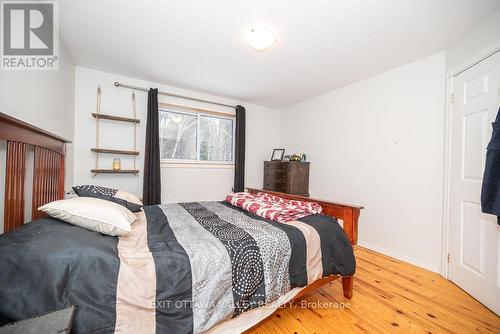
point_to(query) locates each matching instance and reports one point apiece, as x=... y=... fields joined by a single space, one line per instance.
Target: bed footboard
x=348 y=213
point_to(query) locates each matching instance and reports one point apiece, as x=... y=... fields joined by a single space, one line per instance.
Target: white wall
x=379 y=143
x=44 y=99
x=480 y=40
x=178 y=183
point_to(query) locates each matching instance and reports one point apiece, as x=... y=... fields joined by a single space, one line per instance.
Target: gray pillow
x=121 y=197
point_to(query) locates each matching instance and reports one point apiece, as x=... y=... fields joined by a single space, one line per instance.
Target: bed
x=200 y=267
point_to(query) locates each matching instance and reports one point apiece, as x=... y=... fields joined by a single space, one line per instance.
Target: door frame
x=450 y=75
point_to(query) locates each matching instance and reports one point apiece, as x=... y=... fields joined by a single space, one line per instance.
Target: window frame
x=199 y=113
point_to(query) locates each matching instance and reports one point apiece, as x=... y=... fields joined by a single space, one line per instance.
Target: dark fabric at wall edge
x=151 y=193
x=490 y=191
x=239 y=158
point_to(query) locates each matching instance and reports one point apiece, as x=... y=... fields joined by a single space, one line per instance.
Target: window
x=196 y=137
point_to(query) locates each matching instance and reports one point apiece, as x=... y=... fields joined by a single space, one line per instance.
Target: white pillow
x=92 y=213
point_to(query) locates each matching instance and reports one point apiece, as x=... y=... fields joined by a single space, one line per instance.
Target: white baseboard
x=401 y=257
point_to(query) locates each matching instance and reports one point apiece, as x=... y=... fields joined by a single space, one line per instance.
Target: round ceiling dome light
x=260 y=37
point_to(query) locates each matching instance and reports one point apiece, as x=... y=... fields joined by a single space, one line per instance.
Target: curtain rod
x=117 y=84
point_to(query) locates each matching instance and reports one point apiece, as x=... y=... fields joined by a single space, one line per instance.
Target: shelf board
x=116 y=118
x=111 y=171
x=106 y=150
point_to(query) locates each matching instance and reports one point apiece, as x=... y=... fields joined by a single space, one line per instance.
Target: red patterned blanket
x=273 y=207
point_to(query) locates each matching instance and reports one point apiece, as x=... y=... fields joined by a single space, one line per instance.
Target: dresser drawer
x=276 y=165
x=276 y=186
x=276 y=178
x=276 y=175
x=286 y=177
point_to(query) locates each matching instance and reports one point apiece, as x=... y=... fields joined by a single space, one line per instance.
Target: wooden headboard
x=347 y=212
x=48 y=169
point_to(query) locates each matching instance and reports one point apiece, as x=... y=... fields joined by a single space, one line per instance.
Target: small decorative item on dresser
x=117 y=164
x=278 y=154
x=304 y=157
x=295 y=157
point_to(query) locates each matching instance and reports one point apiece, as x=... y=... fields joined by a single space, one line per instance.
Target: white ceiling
x=323 y=44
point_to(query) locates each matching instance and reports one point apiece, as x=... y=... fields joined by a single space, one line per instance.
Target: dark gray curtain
x=239 y=158
x=151 y=191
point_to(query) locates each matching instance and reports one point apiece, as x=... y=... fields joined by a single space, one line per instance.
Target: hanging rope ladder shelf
x=99 y=150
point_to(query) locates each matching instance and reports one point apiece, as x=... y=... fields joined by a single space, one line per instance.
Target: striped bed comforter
x=184 y=268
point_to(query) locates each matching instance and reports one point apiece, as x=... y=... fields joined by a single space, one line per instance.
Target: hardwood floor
x=390 y=296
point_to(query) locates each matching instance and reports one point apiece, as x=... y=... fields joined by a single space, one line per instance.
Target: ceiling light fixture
x=260 y=37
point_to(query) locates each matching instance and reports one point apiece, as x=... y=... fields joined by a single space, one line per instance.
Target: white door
x=474 y=236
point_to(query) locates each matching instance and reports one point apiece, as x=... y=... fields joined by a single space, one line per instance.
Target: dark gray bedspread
x=48 y=265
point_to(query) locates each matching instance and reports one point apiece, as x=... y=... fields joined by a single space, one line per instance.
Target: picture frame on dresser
x=278 y=154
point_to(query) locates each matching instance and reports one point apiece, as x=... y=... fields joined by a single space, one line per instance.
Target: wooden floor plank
x=425 y=301
x=390 y=296
x=430 y=285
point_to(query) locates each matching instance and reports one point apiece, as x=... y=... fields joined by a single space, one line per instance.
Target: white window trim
x=190 y=163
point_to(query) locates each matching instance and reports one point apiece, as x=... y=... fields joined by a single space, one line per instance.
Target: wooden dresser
x=289 y=177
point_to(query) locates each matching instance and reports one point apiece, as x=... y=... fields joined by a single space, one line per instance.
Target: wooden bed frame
x=349 y=214
x=48 y=169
